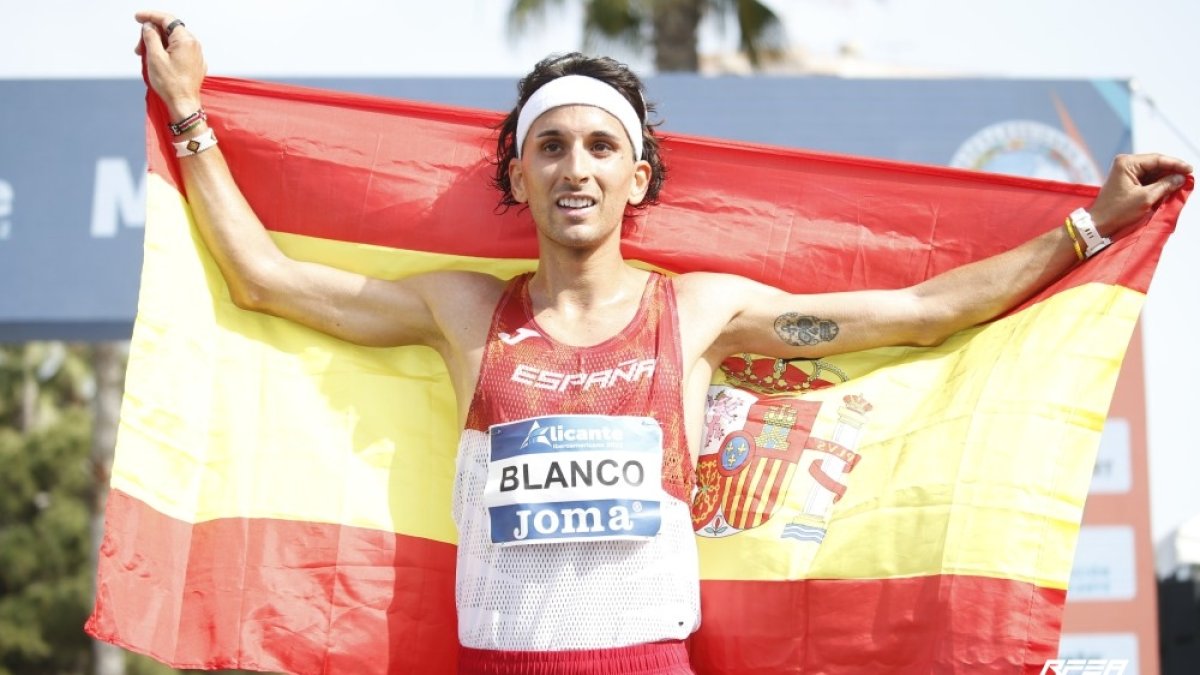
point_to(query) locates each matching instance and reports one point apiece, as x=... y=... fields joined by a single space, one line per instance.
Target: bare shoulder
x=458 y=291
x=461 y=305
x=708 y=303
x=709 y=291
x=702 y=282
x=462 y=281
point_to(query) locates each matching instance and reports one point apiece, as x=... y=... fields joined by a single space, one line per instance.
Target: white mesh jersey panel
x=577 y=595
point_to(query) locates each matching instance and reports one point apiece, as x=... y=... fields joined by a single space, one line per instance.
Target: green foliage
x=45 y=563
x=633 y=23
x=759 y=30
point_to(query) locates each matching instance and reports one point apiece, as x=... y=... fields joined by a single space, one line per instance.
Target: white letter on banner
x=576 y=520
x=547 y=525
x=618 y=519
x=522 y=530
x=1052 y=667
x=6 y=209
x=116 y=196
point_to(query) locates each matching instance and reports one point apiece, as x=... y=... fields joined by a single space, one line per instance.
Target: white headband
x=580 y=90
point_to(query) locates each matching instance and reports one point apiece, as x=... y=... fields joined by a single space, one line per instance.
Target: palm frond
x=620 y=21
x=760 y=30
x=523 y=13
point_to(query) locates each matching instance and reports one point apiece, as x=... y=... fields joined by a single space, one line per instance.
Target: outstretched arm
x=260 y=277
x=768 y=321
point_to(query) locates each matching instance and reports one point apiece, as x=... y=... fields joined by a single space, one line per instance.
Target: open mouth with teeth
x=576 y=203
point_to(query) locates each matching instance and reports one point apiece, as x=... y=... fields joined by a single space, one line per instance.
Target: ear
x=640 y=181
x=516 y=180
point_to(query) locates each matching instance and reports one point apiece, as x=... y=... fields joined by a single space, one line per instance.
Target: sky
x=1151 y=42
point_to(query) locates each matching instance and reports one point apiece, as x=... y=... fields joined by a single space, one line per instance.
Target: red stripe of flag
x=277 y=595
x=415 y=177
x=946 y=624
x=250 y=593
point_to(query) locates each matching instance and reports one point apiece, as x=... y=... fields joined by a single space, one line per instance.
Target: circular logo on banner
x=1027 y=148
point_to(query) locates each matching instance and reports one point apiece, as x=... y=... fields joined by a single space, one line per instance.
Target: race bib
x=571 y=477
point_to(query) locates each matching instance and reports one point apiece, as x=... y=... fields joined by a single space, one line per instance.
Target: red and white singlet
x=601 y=590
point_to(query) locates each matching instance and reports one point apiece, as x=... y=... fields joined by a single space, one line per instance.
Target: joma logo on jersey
x=563 y=521
x=558 y=433
x=626 y=371
x=551 y=521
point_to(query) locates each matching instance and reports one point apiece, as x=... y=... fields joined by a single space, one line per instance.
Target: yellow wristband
x=1070 y=228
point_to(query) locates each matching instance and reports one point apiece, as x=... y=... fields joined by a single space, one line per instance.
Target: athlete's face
x=577 y=172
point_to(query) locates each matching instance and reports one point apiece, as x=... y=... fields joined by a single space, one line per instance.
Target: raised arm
x=765 y=320
x=260 y=277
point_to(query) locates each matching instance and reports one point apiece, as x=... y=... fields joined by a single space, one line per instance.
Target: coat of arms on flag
x=759 y=445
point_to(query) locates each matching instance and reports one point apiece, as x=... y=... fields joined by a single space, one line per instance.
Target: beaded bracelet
x=194 y=146
x=181 y=127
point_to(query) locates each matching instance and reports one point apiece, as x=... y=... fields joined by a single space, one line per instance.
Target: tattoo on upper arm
x=798 y=330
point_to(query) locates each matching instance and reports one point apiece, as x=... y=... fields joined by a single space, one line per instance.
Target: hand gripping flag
x=281 y=500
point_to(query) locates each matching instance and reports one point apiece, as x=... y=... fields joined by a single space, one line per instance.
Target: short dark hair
x=603 y=68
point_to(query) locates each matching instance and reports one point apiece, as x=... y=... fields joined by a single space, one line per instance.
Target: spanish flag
x=281 y=500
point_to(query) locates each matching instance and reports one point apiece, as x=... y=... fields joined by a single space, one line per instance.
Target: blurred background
x=1050 y=89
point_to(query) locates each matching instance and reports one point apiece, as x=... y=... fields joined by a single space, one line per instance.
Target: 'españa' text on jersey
x=626 y=371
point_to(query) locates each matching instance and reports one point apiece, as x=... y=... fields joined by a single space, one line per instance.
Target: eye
x=551 y=146
x=603 y=147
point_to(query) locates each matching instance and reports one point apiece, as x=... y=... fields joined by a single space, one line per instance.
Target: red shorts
x=657 y=658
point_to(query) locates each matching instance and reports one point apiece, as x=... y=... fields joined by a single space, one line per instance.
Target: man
x=589 y=374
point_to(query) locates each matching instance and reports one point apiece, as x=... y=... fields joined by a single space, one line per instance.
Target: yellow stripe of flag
x=976 y=477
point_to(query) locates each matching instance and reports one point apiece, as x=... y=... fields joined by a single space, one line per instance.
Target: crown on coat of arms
x=774 y=376
x=858 y=404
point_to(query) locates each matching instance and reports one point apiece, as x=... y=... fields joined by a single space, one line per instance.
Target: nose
x=577 y=165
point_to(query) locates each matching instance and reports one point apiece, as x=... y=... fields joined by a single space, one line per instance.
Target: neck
x=577 y=280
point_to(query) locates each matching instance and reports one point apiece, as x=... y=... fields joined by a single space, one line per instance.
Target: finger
x=160 y=19
x=1154 y=165
x=140 y=47
x=152 y=42
x=142 y=17
x=1161 y=188
x=163 y=21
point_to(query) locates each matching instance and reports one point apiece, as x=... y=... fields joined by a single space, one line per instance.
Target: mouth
x=575 y=204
